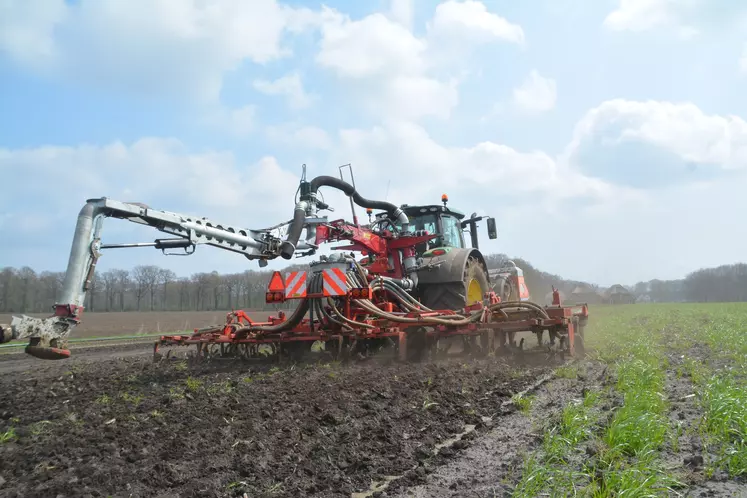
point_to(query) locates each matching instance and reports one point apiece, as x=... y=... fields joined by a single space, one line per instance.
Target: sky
x=608 y=138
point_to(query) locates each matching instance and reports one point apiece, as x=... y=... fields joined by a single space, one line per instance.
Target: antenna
x=352 y=206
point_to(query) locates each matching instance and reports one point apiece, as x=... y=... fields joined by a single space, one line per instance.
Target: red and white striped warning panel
x=295 y=284
x=334 y=282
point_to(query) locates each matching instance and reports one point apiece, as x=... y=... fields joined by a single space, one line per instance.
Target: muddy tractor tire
x=456 y=295
x=462 y=281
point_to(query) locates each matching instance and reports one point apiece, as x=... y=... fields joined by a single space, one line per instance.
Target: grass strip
x=724 y=401
x=720 y=378
x=625 y=459
x=549 y=469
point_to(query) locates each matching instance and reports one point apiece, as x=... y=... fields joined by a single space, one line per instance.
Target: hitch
x=42 y=352
x=47 y=336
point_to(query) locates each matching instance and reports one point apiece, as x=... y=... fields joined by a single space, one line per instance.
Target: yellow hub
x=474 y=292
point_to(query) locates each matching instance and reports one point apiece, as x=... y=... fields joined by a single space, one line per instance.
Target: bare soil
x=82 y=354
x=129 y=427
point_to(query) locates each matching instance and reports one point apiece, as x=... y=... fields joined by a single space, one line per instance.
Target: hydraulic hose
x=520 y=304
x=356 y=279
x=330 y=181
x=288 y=246
x=374 y=310
x=291 y=322
x=407 y=300
x=341 y=320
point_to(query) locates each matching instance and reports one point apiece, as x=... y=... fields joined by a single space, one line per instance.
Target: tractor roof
x=414 y=211
x=431 y=208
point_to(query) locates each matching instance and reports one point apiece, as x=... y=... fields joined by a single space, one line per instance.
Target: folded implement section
x=352 y=314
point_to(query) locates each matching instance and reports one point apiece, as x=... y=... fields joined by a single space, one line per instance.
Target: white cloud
x=400 y=75
x=471 y=20
x=683 y=129
x=373 y=46
x=289 y=86
x=405 y=153
x=536 y=93
x=402 y=11
x=388 y=67
x=149 y=46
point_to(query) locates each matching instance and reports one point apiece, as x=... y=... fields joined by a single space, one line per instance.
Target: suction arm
x=48 y=336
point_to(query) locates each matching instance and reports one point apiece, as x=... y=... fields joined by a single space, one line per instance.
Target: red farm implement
x=415 y=284
x=356 y=317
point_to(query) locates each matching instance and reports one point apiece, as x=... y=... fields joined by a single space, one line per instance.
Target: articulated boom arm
x=48 y=336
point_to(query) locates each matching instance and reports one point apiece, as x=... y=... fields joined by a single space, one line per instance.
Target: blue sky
x=607 y=137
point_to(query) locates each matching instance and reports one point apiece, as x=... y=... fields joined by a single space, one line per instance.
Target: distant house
x=585 y=294
x=617 y=294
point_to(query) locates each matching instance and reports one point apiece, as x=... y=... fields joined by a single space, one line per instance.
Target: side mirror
x=492 y=231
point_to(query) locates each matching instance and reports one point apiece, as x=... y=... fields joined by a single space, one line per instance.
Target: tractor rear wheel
x=457 y=295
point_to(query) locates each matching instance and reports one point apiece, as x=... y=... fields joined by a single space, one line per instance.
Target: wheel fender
x=451 y=268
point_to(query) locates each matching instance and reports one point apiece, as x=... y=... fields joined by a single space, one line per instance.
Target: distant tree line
x=151 y=288
x=726 y=283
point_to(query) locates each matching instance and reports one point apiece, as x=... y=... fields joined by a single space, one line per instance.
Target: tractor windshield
x=428 y=222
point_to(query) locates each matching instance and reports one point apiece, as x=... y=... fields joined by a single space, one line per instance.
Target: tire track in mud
x=491 y=464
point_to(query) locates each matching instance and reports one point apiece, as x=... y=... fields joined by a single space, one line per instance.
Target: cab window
x=425 y=222
x=452 y=236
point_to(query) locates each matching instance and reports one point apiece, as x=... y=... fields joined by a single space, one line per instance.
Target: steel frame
x=564 y=323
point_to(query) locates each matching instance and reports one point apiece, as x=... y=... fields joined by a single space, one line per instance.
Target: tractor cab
x=448 y=223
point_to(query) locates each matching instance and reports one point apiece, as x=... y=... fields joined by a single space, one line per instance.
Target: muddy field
x=134 y=428
x=127 y=323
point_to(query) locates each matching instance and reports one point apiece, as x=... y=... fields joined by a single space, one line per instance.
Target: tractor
x=455 y=275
